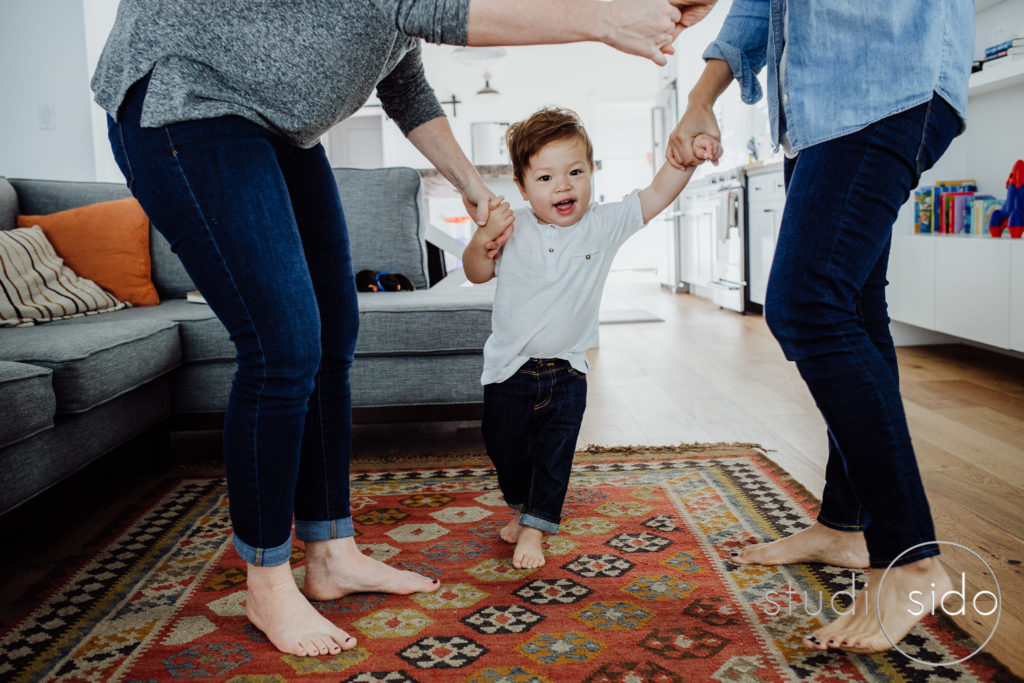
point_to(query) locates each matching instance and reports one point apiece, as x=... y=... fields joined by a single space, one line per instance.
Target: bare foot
x=276 y=607
x=816 y=543
x=337 y=567
x=859 y=631
x=528 y=553
x=510 y=532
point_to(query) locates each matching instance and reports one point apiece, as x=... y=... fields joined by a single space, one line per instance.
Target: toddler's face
x=557 y=182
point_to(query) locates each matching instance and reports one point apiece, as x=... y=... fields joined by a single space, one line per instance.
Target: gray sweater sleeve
x=406 y=95
x=436 y=21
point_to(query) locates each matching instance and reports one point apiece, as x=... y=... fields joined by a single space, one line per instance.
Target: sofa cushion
x=203 y=337
x=36 y=285
x=26 y=394
x=95 y=360
x=385 y=223
x=50 y=196
x=424 y=322
x=432 y=321
x=8 y=205
x=107 y=242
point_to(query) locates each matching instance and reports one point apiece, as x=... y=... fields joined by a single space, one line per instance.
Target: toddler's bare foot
x=510 y=532
x=816 y=543
x=337 y=567
x=859 y=631
x=528 y=553
x=276 y=607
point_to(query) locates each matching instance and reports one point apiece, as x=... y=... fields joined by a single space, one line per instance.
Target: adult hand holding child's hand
x=499 y=226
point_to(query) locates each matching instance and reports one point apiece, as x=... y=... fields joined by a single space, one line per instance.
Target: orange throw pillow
x=107 y=243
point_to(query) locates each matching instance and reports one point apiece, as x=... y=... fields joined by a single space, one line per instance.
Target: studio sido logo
x=968 y=597
x=930 y=602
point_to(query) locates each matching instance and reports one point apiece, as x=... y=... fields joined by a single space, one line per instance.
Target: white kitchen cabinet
x=766 y=198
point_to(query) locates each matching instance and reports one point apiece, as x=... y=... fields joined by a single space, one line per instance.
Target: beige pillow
x=36 y=286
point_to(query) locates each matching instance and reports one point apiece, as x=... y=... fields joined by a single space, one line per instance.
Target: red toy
x=1012 y=214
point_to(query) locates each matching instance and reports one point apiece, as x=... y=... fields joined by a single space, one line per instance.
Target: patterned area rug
x=635 y=588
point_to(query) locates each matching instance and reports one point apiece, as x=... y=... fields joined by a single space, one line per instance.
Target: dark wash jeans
x=259 y=226
x=826 y=307
x=530 y=425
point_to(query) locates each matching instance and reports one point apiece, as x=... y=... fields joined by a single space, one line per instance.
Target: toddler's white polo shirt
x=549 y=286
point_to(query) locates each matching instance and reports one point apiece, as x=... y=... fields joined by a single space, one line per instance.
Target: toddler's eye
x=576 y=171
x=544 y=178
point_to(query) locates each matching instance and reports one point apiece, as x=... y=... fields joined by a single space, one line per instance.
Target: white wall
x=43 y=50
x=577 y=76
x=99 y=19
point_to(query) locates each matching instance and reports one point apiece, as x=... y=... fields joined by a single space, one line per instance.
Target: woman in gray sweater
x=215 y=112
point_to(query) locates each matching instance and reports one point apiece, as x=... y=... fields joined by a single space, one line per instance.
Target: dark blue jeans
x=530 y=425
x=259 y=227
x=826 y=306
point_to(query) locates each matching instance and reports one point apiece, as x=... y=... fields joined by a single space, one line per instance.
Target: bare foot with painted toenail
x=275 y=606
x=858 y=629
x=337 y=568
x=816 y=543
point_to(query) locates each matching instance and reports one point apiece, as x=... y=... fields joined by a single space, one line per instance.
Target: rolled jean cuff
x=325 y=529
x=930 y=550
x=838 y=526
x=535 y=522
x=263 y=557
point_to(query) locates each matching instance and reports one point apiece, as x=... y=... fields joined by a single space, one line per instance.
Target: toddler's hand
x=707 y=148
x=498 y=228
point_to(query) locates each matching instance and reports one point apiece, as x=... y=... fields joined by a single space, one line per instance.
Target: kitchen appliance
x=711 y=250
x=667 y=224
x=727 y=274
x=488 y=139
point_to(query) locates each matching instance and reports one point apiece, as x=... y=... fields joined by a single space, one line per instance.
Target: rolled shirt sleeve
x=435 y=21
x=743 y=45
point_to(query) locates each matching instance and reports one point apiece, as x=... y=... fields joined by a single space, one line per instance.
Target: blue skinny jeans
x=259 y=227
x=826 y=307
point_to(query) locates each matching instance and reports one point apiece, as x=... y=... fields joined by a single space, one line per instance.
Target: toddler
x=551 y=273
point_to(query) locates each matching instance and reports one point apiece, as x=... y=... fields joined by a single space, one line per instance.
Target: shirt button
x=551 y=249
x=588 y=256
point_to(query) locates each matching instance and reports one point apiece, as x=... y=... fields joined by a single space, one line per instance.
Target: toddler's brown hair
x=526 y=138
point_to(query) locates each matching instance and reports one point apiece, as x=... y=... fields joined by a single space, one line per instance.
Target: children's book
x=923 y=209
x=941 y=207
x=982 y=207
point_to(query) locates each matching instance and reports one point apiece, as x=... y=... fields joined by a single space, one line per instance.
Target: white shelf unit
x=1000 y=75
x=970 y=287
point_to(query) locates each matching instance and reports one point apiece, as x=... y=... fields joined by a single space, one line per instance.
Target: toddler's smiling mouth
x=565 y=206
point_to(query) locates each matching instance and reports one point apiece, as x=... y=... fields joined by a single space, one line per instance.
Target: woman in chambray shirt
x=863 y=98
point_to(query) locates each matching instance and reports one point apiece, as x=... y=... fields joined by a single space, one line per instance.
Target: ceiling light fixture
x=487 y=89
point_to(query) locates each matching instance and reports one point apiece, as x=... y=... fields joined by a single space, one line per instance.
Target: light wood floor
x=708 y=375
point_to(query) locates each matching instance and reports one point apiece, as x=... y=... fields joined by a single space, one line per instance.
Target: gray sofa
x=72 y=390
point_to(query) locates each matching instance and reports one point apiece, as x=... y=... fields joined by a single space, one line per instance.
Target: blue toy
x=1012 y=214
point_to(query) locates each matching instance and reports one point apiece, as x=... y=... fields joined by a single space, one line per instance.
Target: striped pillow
x=36 y=286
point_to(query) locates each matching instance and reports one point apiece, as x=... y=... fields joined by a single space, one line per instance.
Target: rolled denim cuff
x=263 y=557
x=324 y=530
x=839 y=526
x=742 y=70
x=537 y=523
